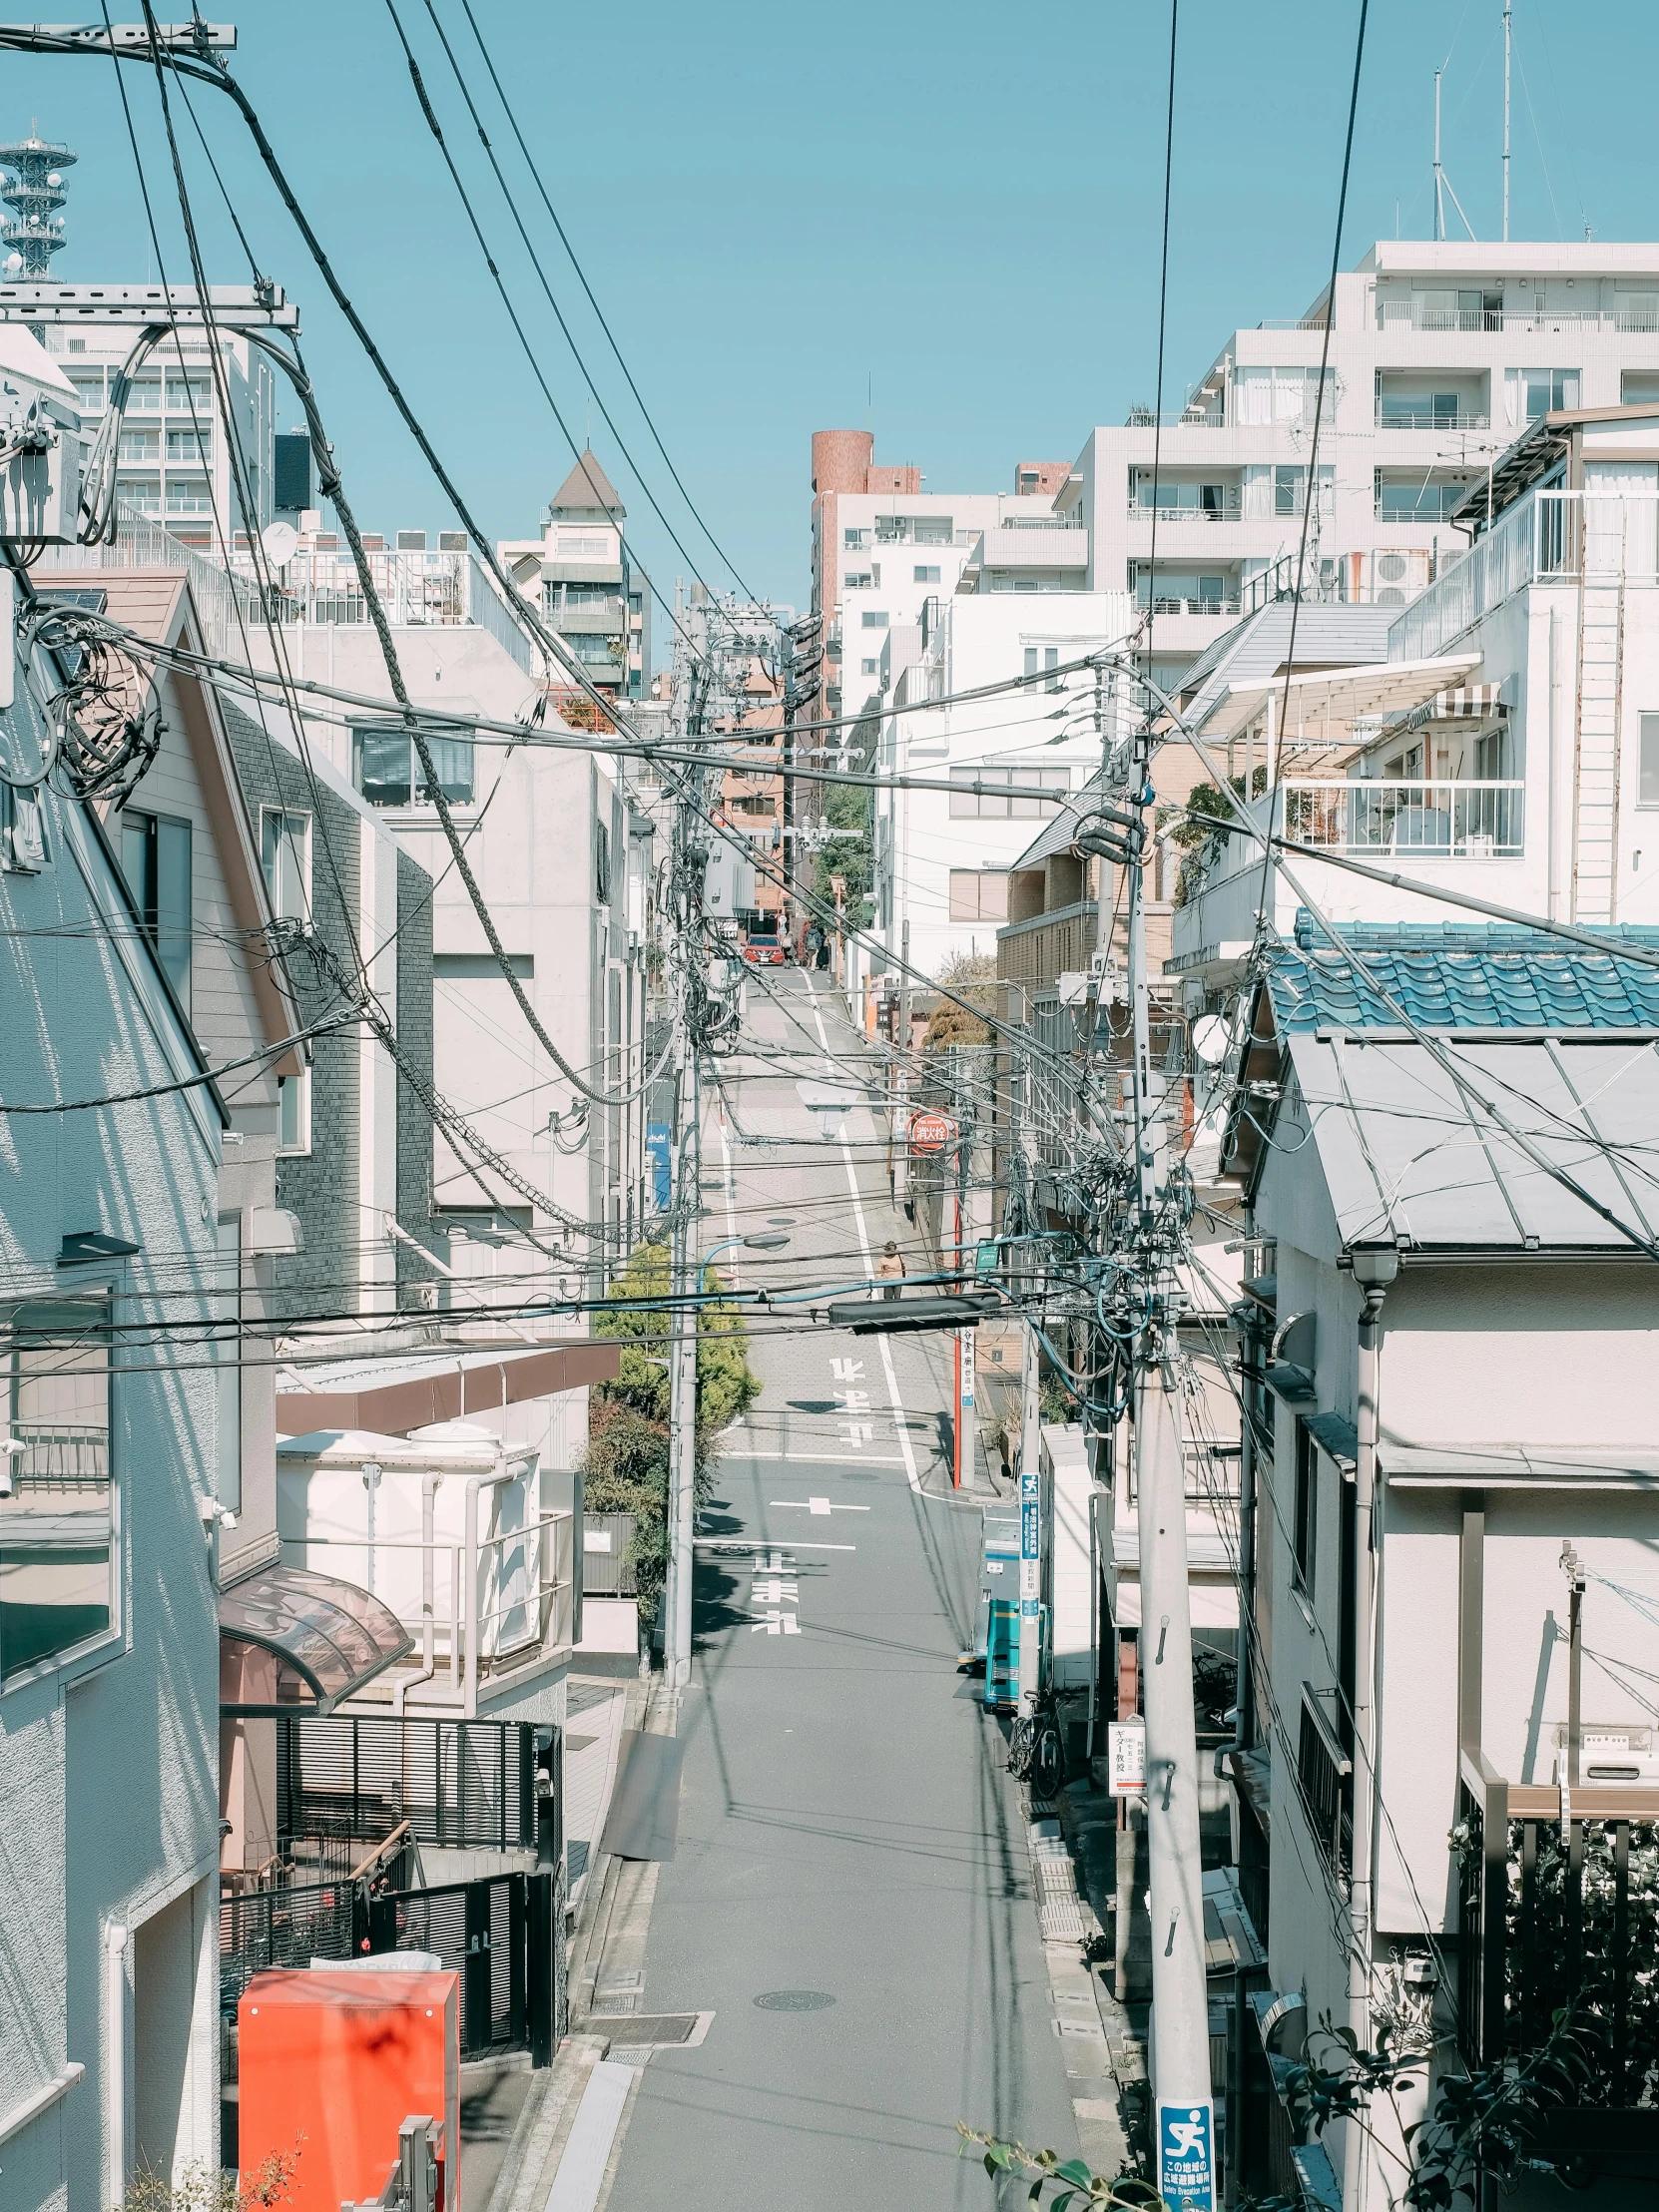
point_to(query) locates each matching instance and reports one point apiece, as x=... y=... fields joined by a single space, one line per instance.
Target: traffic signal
x=902 y=1316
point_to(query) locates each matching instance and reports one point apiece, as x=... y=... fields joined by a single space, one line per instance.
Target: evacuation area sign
x=1186 y=2161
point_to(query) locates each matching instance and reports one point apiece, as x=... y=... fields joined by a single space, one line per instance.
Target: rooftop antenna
x=1443 y=182
x=33 y=232
x=1506 y=13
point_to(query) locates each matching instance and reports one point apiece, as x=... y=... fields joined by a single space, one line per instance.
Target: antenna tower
x=33 y=232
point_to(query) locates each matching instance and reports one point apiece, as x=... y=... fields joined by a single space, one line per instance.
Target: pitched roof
x=1449 y=977
x=1327 y=636
x=587 y=489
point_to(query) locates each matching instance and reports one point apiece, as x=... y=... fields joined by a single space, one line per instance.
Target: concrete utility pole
x=1184 y=2115
x=1030 y=1528
x=683 y=1375
x=1506 y=12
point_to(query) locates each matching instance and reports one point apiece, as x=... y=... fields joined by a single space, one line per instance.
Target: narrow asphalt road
x=850 y=1893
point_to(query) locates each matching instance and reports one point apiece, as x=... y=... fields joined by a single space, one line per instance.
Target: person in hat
x=889 y=1269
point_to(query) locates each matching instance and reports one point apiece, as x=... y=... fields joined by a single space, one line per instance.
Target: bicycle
x=1036 y=1749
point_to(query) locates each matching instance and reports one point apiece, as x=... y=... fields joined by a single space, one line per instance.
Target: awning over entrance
x=333 y=1635
x=394 y=1396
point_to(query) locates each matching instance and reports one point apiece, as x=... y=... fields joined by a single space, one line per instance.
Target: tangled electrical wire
x=105 y=718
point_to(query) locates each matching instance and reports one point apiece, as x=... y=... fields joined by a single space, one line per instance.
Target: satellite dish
x=281 y=541
x=13 y=263
x=1211 y=1039
x=54 y=178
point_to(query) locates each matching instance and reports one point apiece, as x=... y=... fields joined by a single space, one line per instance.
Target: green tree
x=626 y=1466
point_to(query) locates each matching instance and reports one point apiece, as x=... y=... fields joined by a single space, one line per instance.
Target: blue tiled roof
x=1446 y=977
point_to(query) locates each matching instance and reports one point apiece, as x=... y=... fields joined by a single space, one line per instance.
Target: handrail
x=380 y=1851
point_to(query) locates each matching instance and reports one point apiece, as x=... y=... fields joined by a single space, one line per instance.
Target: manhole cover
x=793 y=2001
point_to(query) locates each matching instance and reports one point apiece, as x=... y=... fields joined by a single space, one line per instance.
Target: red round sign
x=931 y=1131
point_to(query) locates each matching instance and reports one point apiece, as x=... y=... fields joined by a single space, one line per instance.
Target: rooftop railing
x=1457 y=820
x=1429 y=418
x=1600 y=536
x=1417 y=315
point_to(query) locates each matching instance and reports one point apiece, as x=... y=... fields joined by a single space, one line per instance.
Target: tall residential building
x=174 y=459
x=579 y=573
x=1440 y=355
x=882 y=546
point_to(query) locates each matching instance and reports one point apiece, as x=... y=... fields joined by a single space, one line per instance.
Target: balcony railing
x=1605 y=537
x=1414 y=314
x=1457 y=820
x=1426 y=418
x=1162 y=604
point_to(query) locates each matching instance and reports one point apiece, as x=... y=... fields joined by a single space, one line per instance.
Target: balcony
x=1461 y=819
x=1603 y=537
x=1054 y=544
x=1429 y=418
x=1418 y=315
x=606 y=614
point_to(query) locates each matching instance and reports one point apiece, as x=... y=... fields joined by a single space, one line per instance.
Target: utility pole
x=1439 y=186
x=1030 y=1528
x=1184 y=2115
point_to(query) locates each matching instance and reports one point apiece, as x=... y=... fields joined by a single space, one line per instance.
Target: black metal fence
x=454 y=1782
x=500 y=1934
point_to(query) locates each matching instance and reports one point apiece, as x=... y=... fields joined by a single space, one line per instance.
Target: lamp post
x=769 y=1240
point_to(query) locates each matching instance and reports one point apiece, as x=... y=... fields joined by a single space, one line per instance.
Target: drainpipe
x=428 y=1651
x=115 y=2078
x=1375 y=1268
x=502 y=1472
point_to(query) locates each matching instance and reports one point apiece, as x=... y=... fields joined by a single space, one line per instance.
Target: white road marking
x=777 y=1624
x=751 y=1543
x=910 y=1474
x=848 y=1370
x=817 y=1507
x=772 y=1589
x=857 y=1401
x=856 y=1432
x=813 y=1459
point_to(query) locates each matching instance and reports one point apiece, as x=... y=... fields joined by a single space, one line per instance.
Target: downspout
x=1375 y=1268
x=428 y=1647
x=115 y=2078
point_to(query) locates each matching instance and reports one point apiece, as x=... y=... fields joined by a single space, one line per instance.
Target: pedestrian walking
x=891 y=1269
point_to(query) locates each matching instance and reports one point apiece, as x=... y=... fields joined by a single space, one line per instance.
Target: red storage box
x=337 y=2063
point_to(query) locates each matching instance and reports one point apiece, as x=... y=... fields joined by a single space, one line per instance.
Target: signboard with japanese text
x=1126 y=1757
x=1186 y=2160
x=931 y=1131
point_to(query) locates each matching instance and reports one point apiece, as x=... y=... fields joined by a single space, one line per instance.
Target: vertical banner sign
x=1186 y=2160
x=659 y=1140
x=1126 y=1757
x=1030 y=1542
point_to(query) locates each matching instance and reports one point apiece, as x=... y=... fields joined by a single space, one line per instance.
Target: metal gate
x=500 y=1936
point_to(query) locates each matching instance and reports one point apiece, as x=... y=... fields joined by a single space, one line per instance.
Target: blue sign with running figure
x=1186 y=2160
x=659 y=1140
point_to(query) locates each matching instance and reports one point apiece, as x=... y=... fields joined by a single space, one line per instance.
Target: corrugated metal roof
x=1446 y=977
x=1325 y=637
x=1407 y=1154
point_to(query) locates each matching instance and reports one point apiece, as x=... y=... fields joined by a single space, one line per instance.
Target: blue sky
x=937 y=220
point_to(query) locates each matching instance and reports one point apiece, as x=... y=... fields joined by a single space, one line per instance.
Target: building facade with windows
x=943 y=857
x=1441 y=353
x=580 y=577
x=172 y=465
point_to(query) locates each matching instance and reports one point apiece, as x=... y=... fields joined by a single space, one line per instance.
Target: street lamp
x=771 y=1240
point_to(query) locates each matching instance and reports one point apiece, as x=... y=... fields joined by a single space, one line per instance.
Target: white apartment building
x=1440 y=354
x=174 y=456
x=1507 y=748
x=883 y=546
x=943 y=857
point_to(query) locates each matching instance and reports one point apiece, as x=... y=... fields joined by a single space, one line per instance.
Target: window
x=293 y=1104
x=993 y=805
x=873 y=619
x=1639 y=387
x=140 y=445
x=189 y=495
x=1531 y=393
x=1048 y=662
x=1288 y=488
x=933 y=530
x=58 y=1567
x=155 y=859
x=1028 y=482
x=870 y=668
x=145 y=395
x=190 y=445
x=188 y=395
x=386 y=769
x=584 y=546
x=854 y=540
x=923 y=575
x=1648 y=788
x=978 y=895
x=1304 y=1525
x=285 y=855
x=857 y=580
x=89 y=390
x=142 y=493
